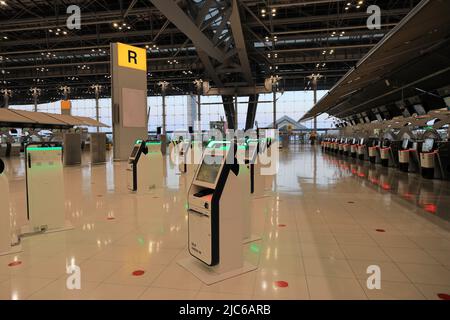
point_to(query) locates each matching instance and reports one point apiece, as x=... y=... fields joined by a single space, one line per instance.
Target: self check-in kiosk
x=183 y=155
x=145 y=166
x=354 y=148
x=428 y=158
x=361 y=149
x=346 y=147
x=245 y=177
x=44 y=188
x=385 y=153
x=257 y=179
x=215 y=216
x=404 y=155
x=374 y=153
x=138 y=167
x=5 y=216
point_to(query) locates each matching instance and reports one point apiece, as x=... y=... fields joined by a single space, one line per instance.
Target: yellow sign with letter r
x=131 y=57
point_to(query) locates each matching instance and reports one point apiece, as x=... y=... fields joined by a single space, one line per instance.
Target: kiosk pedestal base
x=404 y=167
x=29 y=231
x=13 y=250
x=428 y=173
x=207 y=275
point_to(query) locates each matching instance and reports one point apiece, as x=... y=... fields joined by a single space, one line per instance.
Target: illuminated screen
x=428 y=145
x=208 y=172
x=362 y=141
x=135 y=151
x=405 y=144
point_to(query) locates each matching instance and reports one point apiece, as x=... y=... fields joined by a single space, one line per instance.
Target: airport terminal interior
x=225 y=150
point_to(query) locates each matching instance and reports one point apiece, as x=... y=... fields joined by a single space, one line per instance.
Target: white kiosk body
x=45 y=188
x=155 y=156
x=268 y=148
x=245 y=178
x=5 y=216
x=215 y=217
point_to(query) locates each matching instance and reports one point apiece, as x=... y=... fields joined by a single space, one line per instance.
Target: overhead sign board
x=131 y=57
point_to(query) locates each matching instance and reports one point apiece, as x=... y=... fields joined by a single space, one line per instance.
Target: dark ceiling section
x=37 y=49
x=408 y=68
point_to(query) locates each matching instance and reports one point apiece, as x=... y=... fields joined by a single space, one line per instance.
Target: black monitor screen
x=405 y=144
x=135 y=151
x=208 y=171
x=354 y=141
x=428 y=145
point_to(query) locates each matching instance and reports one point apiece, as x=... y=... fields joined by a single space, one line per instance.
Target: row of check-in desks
x=429 y=157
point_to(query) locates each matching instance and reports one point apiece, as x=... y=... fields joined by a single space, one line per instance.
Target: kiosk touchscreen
x=428 y=145
x=45 y=188
x=405 y=144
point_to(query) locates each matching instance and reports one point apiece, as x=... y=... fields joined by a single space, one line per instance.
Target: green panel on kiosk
x=44 y=148
x=152 y=143
x=212 y=143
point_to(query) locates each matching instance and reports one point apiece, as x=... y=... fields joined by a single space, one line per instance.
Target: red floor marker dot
x=281 y=284
x=138 y=273
x=110 y=218
x=14 y=264
x=282 y=225
x=444 y=296
x=380 y=230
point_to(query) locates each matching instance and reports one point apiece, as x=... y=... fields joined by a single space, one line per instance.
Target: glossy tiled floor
x=318 y=227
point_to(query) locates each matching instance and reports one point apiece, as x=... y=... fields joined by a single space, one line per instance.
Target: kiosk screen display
x=134 y=152
x=405 y=144
x=428 y=145
x=362 y=141
x=208 y=172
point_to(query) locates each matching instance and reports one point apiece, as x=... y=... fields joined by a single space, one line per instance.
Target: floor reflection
x=433 y=196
